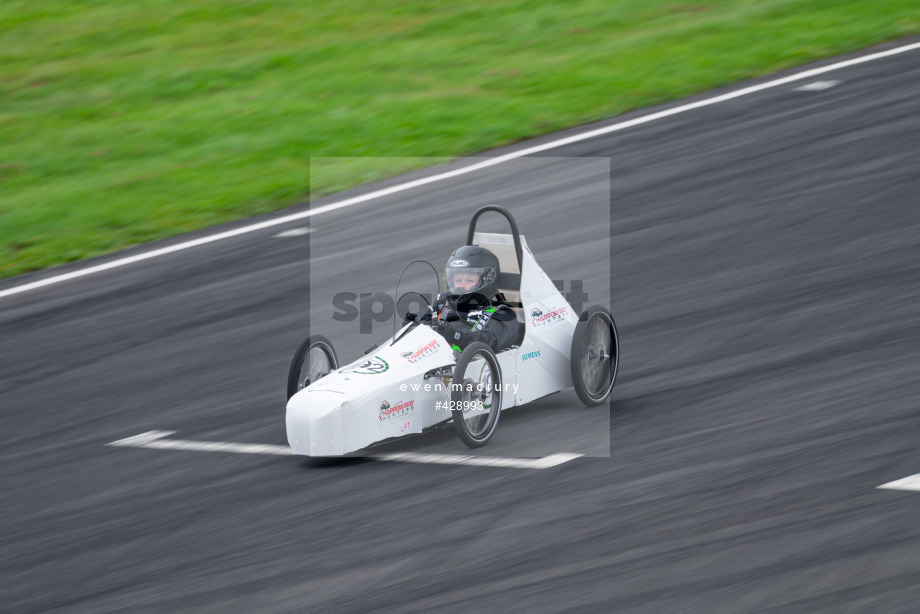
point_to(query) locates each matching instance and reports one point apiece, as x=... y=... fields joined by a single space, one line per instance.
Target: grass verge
x=122 y=123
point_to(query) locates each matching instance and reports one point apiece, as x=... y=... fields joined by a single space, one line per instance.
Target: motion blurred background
x=122 y=123
x=763 y=266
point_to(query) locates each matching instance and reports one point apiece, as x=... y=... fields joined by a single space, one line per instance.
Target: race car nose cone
x=314 y=424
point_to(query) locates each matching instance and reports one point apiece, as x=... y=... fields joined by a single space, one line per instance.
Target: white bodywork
x=385 y=394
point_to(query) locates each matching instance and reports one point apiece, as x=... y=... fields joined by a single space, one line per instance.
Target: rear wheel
x=314 y=359
x=476 y=394
x=595 y=355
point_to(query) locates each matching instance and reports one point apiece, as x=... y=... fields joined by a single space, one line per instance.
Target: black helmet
x=471 y=278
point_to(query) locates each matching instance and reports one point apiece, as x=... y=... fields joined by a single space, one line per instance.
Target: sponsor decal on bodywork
x=538 y=318
x=423 y=352
x=388 y=411
x=529 y=355
x=371 y=366
x=326 y=390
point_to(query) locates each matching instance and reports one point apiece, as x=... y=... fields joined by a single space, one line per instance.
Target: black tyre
x=595 y=355
x=314 y=359
x=476 y=394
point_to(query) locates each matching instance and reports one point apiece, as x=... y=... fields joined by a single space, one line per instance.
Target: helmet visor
x=465 y=279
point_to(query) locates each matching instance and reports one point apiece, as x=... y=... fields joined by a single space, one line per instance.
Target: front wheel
x=315 y=358
x=476 y=394
x=595 y=355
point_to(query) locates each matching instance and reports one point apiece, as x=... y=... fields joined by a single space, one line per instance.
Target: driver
x=471 y=311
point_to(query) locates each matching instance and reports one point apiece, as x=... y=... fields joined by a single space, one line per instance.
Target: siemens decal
x=530 y=355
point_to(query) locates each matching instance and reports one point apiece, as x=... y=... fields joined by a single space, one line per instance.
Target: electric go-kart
x=416 y=380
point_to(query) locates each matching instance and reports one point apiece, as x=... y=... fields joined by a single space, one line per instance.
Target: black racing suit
x=497 y=326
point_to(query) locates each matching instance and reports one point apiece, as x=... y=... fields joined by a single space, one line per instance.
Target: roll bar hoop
x=514 y=230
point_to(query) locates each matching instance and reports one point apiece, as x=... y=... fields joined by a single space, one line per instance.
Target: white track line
x=817 y=86
x=911 y=482
x=480 y=461
x=485 y=163
x=156 y=441
x=293 y=232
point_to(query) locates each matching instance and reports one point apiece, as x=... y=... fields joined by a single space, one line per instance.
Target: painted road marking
x=911 y=482
x=294 y=232
x=817 y=86
x=156 y=440
x=483 y=163
x=480 y=461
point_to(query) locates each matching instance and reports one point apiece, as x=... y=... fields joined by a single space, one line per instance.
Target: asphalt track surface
x=765 y=276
